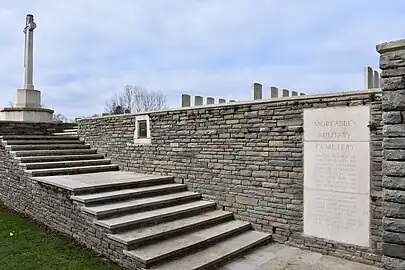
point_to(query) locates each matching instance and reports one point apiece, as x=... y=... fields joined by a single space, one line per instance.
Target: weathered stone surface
x=394 y=225
x=393 y=263
x=397 y=154
x=393 y=182
x=392 y=117
x=393 y=100
x=393 y=168
x=397 y=130
x=392 y=60
x=394 y=72
x=394 y=143
x=394 y=238
x=393 y=250
x=395 y=210
x=397 y=196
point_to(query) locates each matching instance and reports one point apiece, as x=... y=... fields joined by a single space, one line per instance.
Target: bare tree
x=60 y=118
x=135 y=99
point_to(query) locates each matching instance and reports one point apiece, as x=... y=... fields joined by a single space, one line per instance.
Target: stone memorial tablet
x=337 y=174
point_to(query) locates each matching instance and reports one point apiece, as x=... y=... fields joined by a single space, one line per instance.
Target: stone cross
x=29 y=52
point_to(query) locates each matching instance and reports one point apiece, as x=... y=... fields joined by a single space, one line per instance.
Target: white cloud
x=87 y=50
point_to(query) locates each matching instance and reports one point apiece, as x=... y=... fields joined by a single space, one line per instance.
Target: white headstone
x=337 y=174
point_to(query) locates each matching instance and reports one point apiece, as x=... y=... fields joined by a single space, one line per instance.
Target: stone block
x=393 y=182
x=393 y=168
x=397 y=196
x=392 y=117
x=393 y=263
x=392 y=60
x=394 y=224
x=246 y=200
x=393 y=250
x=394 y=210
x=393 y=100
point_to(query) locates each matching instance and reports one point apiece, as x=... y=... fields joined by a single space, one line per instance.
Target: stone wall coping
x=243 y=103
x=391 y=46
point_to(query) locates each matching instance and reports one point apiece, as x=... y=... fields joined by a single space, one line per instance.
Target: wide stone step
x=38 y=137
x=33 y=159
x=140 y=204
x=70 y=130
x=156 y=253
x=29 y=142
x=126 y=193
x=158 y=215
x=24 y=153
x=104 y=181
x=65 y=133
x=64 y=164
x=47 y=147
x=213 y=256
x=73 y=170
x=164 y=230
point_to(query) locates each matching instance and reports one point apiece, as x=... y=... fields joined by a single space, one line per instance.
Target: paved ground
x=280 y=257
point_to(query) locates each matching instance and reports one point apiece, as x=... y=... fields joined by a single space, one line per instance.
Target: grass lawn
x=25 y=246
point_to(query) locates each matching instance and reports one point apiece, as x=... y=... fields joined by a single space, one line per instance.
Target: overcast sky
x=85 y=50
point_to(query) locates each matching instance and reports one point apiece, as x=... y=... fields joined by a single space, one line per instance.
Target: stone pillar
x=210 y=100
x=257 y=91
x=286 y=93
x=368 y=78
x=273 y=92
x=392 y=64
x=185 y=100
x=294 y=93
x=198 y=100
x=376 y=79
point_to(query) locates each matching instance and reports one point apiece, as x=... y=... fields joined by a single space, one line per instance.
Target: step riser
x=29 y=142
x=157 y=219
x=173 y=255
x=146 y=207
x=47 y=147
x=216 y=264
x=36 y=166
x=117 y=198
x=54 y=152
x=184 y=230
x=112 y=187
x=59 y=158
x=70 y=172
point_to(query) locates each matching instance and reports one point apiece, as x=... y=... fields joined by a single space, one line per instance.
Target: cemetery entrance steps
x=155 y=221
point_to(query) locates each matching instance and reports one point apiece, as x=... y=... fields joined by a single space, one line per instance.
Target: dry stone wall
x=247 y=157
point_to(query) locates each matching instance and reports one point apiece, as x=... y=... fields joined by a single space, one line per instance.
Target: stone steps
x=25 y=153
x=164 y=230
x=133 y=205
x=64 y=164
x=157 y=253
x=47 y=146
x=225 y=250
x=127 y=193
x=155 y=216
x=33 y=159
x=73 y=170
